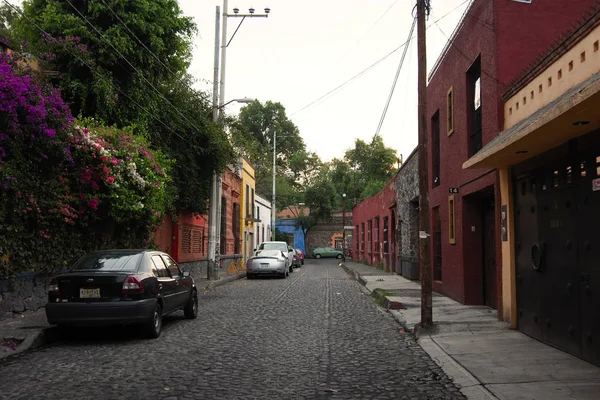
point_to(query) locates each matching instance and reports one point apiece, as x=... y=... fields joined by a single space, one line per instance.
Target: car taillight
x=132 y=285
x=53 y=287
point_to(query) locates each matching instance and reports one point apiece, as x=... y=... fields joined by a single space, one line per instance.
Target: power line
x=132 y=66
x=372 y=65
x=379 y=19
x=95 y=71
x=387 y=104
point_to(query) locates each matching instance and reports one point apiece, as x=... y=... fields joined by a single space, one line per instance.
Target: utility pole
x=344 y=226
x=424 y=219
x=273 y=208
x=213 y=262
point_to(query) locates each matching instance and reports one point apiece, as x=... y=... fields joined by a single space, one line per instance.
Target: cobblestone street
x=313 y=335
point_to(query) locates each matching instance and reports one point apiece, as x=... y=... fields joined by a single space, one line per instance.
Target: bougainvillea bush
x=67 y=187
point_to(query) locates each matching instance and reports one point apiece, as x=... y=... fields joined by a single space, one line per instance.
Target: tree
x=322 y=200
x=252 y=133
x=104 y=72
x=89 y=33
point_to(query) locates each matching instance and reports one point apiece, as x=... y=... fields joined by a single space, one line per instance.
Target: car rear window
x=273 y=246
x=268 y=253
x=108 y=262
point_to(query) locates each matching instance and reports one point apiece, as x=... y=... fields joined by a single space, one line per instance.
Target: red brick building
x=493 y=43
x=374 y=236
x=187 y=240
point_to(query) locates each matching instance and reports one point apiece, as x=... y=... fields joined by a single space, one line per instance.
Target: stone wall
x=407 y=185
x=320 y=235
x=26 y=292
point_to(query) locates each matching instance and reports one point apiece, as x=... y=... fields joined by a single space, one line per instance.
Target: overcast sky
x=305 y=49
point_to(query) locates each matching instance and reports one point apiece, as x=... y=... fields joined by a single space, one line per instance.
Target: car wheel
x=318 y=256
x=339 y=256
x=153 y=326
x=302 y=263
x=249 y=276
x=191 y=308
x=291 y=268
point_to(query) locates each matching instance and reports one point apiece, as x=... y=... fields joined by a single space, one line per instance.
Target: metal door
x=588 y=221
x=528 y=258
x=560 y=275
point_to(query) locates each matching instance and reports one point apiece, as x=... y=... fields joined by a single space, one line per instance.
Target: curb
x=224 y=281
x=38 y=338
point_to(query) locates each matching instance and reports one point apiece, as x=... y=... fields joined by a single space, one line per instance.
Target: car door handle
x=160 y=286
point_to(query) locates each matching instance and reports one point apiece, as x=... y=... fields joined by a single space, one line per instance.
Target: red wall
x=168 y=236
x=508 y=35
x=381 y=205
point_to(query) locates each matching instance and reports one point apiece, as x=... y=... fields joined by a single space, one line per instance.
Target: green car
x=327 y=252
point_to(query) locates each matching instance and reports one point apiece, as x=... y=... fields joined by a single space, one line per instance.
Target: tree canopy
x=125 y=63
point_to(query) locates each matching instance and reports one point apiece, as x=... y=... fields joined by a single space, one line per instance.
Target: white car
x=281 y=246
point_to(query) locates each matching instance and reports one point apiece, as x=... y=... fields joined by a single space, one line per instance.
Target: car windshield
x=108 y=262
x=268 y=253
x=273 y=246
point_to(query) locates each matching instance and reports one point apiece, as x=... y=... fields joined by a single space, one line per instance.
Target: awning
x=573 y=114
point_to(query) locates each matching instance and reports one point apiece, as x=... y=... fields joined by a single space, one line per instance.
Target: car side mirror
x=186 y=274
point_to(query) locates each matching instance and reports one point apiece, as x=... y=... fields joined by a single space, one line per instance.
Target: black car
x=121 y=287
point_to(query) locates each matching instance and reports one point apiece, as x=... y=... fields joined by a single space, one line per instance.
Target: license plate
x=89 y=293
x=264 y=265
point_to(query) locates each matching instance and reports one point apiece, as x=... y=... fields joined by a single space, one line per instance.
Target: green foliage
x=253 y=132
x=105 y=73
x=65 y=189
x=322 y=199
x=159 y=24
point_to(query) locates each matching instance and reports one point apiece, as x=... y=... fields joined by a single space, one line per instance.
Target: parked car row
x=275 y=259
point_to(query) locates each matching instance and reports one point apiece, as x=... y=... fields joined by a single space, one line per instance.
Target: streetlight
x=344 y=226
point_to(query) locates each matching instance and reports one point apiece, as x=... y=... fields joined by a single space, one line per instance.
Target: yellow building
x=548 y=158
x=247 y=214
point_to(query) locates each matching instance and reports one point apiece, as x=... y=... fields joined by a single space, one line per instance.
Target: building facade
x=548 y=157
x=186 y=240
x=407 y=186
x=375 y=224
x=262 y=225
x=247 y=219
x=494 y=41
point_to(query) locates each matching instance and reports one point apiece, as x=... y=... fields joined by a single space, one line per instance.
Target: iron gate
x=557 y=250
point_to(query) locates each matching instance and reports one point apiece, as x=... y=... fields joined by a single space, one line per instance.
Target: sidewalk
x=31 y=329
x=485 y=358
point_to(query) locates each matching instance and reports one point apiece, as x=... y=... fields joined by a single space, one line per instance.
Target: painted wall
x=507 y=35
x=247 y=202
x=375 y=209
x=263 y=226
x=288 y=226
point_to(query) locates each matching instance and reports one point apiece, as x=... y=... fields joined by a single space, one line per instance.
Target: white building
x=263 y=226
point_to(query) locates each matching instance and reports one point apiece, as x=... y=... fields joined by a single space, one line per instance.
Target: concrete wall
x=407 y=185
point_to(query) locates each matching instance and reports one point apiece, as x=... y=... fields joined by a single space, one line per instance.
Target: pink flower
x=114 y=161
x=94 y=203
x=110 y=179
